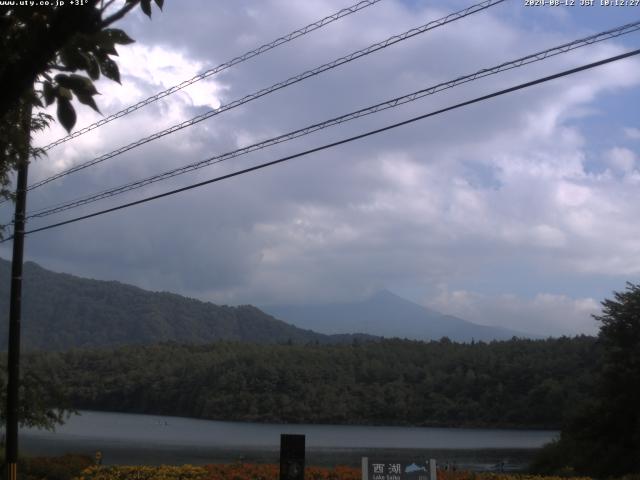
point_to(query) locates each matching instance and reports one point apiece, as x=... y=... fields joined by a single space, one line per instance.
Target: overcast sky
x=521 y=211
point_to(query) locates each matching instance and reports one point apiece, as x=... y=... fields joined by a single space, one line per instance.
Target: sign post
x=292 y=457
x=432 y=469
x=15 y=308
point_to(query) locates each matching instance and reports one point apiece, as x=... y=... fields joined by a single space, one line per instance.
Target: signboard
x=292 y=457
x=377 y=469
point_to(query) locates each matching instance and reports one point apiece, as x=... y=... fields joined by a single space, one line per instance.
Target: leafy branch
x=53 y=56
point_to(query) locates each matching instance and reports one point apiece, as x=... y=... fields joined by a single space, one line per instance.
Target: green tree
x=44 y=402
x=603 y=438
x=53 y=55
x=616 y=436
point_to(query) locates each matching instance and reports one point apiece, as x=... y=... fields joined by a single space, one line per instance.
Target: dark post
x=13 y=384
x=291 y=457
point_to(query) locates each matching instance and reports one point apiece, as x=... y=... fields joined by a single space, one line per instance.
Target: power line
x=223 y=66
x=290 y=81
x=340 y=142
x=539 y=56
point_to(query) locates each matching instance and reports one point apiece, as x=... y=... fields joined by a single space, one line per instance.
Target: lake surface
x=152 y=439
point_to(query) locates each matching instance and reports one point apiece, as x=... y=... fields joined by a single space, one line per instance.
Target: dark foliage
x=602 y=438
x=65 y=467
x=43 y=400
x=518 y=383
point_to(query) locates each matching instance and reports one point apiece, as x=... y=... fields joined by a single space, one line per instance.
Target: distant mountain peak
x=385 y=294
x=389 y=298
x=387 y=314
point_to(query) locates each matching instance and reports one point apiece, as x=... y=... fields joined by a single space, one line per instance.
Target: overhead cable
x=223 y=66
x=340 y=142
x=290 y=81
x=392 y=103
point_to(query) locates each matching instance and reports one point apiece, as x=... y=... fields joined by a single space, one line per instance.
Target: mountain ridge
x=62 y=311
x=388 y=315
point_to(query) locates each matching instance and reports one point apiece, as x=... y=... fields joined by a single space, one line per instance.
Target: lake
x=152 y=439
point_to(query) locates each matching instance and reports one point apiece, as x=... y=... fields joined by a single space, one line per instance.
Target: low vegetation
x=65 y=467
x=165 y=472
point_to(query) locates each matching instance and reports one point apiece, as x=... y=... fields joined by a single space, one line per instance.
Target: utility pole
x=13 y=385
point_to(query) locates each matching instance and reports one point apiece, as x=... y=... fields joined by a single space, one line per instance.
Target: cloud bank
x=519 y=183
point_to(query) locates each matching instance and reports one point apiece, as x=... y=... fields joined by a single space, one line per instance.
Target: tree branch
x=118 y=15
x=103 y=7
x=61 y=68
x=40 y=49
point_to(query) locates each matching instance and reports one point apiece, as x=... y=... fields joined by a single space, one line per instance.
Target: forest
x=518 y=383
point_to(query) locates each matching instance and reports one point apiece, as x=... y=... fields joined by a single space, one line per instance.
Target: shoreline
x=121 y=453
x=275 y=422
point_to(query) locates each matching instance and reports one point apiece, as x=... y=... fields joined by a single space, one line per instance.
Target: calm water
x=151 y=439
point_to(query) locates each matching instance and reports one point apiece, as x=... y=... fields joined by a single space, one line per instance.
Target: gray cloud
x=432 y=204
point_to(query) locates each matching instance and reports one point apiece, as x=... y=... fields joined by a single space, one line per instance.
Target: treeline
x=517 y=383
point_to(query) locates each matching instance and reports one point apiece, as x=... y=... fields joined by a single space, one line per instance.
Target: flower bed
x=462 y=475
x=164 y=472
x=250 y=471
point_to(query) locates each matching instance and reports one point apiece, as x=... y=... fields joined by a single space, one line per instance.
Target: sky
x=519 y=211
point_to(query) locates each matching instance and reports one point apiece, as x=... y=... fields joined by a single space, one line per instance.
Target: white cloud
x=546 y=314
x=632 y=133
x=621 y=159
x=572 y=195
x=145 y=71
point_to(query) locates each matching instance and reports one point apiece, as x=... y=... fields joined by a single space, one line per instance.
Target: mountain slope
x=61 y=311
x=386 y=314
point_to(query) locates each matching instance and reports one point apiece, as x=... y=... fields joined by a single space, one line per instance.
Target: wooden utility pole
x=13 y=385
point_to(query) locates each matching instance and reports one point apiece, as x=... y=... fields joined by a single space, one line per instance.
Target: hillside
x=62 y=311
x=388 y=315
